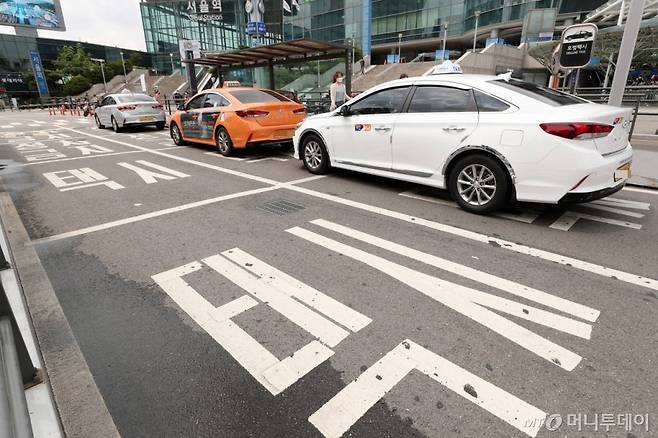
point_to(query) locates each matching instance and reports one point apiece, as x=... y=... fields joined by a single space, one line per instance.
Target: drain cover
x=281 y=207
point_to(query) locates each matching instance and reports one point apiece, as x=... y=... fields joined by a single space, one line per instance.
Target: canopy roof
x=287 y=52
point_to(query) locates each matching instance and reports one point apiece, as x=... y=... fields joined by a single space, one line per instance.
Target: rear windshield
x=133 y=98
x=537 y=92
x=257 y=96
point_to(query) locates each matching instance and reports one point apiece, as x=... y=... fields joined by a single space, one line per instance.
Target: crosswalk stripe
x=566 y=306
x=452 y=296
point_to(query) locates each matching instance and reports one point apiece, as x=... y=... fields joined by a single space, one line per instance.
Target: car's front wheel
x=176 y=135
x=223 y=141
x=98 y=122
x=479 y=184
x=314 y=155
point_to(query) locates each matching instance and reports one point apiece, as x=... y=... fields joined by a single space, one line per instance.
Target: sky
x=107 y=22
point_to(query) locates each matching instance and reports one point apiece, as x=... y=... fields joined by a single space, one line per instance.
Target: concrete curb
x=80 y=405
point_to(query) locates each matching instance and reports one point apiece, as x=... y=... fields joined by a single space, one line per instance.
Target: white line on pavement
x=151 y=215
x=566 y=306
x=569 y=219
x=34 y=163
x=479 y=237
x=619 y=211
x=336 y=416
x=465 y=300
x=623 y=203
x=647 y=191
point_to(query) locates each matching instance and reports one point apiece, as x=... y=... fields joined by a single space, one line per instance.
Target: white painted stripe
x=292 y=287
x=163 y=169
x=623 y=203
x=234 y=308
x=182 y=159
x=110 y=184
x=566 y=306
x=569 y=219
x=216 y=155
x=293 y=367
x=16 y=123
x=258 y=160
x=7 y=126
x=638 y=190
x=452 y=296
x=151 y=215
x=336 y=416
x=86 y=157
x=619 y=211
x=526 y=216
x=479 y=237
x=314 y=323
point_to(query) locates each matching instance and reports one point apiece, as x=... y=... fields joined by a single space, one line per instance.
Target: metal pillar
x=626 y=50
x=270 y=71
x=475 y=33
x=349 y=64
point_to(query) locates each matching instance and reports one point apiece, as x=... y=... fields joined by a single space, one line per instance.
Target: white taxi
x=486 y=139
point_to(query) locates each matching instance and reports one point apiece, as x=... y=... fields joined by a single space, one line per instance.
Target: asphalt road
x=244 y=297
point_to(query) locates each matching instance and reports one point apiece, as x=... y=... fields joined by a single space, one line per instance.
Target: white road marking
x=546 y=299
x=182 y=159
x=526 y=216
x=273 y=374
x=615 y=210
x=258 y=160
x=85 y=157
x=479 y=237
x=340 y=413
x=623 y=203
x=16 y=123
x=216 y=155
x=569 y=219
x=151 y=177
x=292 y=287
x=7 y=126
x=110 y=184
x=465 y=301
x=151 y=215
x=638 y=190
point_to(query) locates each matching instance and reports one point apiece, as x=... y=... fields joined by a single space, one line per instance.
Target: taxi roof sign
x=447 y=68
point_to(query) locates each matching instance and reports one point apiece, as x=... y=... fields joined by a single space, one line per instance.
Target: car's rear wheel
x=176 y=135
x=479 y=184
x=115 y=125
x=223 y=142
x=160 y=126
x=98 y=122
x=314 y=155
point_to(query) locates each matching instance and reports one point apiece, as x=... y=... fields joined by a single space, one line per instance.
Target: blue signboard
x=39 y=73
x=392 y=59
x=492 y=41
x=256 y=28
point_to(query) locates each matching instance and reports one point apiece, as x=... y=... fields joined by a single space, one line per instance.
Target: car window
x=214 y=100
x=435 y=99
x=132 y=98
x=108 y=101
x=388 y=101
x=487 y=103
x=196 y=102
x=257 y=96
x=538 y=92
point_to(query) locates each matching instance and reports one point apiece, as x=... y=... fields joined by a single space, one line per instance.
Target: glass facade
x=15 y=59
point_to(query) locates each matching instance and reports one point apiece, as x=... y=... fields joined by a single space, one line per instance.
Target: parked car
x=235 y=118
x=487 y=139
x=129 y=109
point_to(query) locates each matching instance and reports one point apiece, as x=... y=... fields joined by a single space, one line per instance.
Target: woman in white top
x=337 y=91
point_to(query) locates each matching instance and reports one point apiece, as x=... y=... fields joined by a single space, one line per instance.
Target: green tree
x=74 y=61
x=76 y=85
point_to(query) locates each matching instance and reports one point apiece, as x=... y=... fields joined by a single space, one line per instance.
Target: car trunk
x=619 y=118
x=277 y=113
x=142 y=108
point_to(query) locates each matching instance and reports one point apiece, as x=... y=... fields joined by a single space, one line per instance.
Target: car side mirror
x=181 y=107
x=345 y=111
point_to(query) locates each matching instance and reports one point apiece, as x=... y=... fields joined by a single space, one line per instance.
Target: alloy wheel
x=476 y=184
x=313 y=154
x=223 y=142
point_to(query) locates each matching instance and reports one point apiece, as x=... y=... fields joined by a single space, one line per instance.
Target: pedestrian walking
x=337 y=91
x=363 y=66
x=156 y=94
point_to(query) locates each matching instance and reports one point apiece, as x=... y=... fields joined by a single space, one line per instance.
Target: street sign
x=39 y=74
x=256 y=28
x=577 y=45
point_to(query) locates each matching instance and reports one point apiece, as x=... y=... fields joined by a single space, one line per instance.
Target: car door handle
x=453 y=128
x=382 y=129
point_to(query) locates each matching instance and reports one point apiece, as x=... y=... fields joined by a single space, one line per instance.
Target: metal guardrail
x=16 y=370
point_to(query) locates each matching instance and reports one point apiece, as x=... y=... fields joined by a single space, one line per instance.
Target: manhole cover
x=281 y=207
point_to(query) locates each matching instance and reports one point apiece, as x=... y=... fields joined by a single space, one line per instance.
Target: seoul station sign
x=205 y=10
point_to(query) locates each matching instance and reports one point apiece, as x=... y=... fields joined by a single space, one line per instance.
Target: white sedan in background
x=129 y=109
x=488 y=140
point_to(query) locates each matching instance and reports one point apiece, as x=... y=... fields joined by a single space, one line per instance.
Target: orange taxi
x=236 y=117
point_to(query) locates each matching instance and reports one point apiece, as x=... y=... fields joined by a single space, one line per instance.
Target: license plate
x=147 y=119
x=623 y=172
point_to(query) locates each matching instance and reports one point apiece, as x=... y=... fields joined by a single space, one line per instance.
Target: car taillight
x=577 y=131
x=252 y=113
x=158 y=106
x=299 y=111
x=127 y=108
